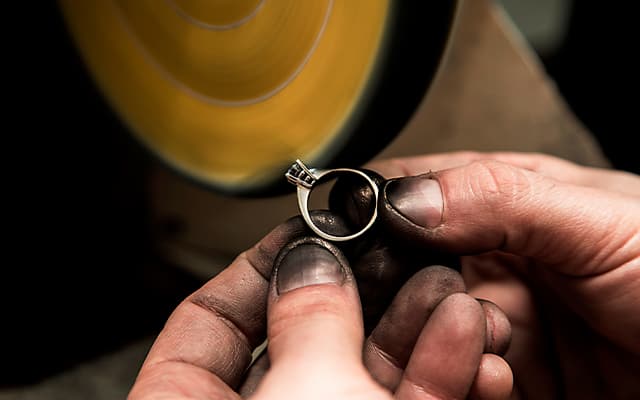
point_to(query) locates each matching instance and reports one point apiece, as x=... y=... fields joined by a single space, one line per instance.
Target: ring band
x=305 y=178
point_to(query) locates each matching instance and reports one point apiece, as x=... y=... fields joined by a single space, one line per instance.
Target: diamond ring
x=306 y=178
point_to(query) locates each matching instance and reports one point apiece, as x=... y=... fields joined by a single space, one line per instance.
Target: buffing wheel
x=230 y=92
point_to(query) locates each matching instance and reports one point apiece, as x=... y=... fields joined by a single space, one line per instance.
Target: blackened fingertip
x=308 y=261
x=419 y=199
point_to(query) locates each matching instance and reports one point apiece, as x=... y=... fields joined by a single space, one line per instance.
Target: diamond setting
x=298 y=174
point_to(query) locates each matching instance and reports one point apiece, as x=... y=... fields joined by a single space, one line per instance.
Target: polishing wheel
x=230 y=92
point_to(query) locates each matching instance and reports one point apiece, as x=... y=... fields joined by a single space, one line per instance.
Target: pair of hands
x=553 y=249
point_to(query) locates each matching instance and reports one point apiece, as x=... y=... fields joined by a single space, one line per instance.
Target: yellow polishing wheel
x=231 y=92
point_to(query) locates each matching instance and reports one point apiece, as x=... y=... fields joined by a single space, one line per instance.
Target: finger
x=447 y=354
x=496 y=276
x=498 y=335
x=315 y=329
x=489 y=205
x=382 y=270
x=553 y=167
x=380 y=264
x=566 y=171
x=416 y=165
x=494 y=380
x=500 y=278
x=388 y=349
x=255 y=375
x=208 y=340
x=575 y=231
x=353 y=198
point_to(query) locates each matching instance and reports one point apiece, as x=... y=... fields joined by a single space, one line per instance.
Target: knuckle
x=499 y=184
x=440 y=278
x=430 y=286
x=307 y=305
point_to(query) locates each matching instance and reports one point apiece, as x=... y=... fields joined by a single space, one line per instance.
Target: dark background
x=596 y=69
x=81 y=275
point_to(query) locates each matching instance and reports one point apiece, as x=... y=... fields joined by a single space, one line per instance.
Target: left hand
x=430 y=343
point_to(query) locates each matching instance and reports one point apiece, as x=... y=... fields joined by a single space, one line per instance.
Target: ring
x=305 y=179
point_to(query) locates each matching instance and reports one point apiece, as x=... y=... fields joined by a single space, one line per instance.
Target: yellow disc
x=231 y=91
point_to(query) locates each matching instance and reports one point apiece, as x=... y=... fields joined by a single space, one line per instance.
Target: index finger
x=546 y=165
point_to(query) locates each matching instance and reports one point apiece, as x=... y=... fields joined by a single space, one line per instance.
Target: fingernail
x=419 y=199
x=306 y=265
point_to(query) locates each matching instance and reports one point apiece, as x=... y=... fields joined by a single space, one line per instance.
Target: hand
x=433 y=342
x=553 y=244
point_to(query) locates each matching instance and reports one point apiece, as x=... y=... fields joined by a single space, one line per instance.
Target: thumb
x=488 y=205
x=584 y=240
x=315 y=329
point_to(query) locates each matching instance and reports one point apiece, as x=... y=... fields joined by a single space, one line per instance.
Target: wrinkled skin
x=205 y=348
x=554 y=245
x=568 y=291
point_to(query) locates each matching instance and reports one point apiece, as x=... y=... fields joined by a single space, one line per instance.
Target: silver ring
x=305 y=178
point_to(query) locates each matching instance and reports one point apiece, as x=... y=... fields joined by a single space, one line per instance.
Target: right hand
x=555 y=245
